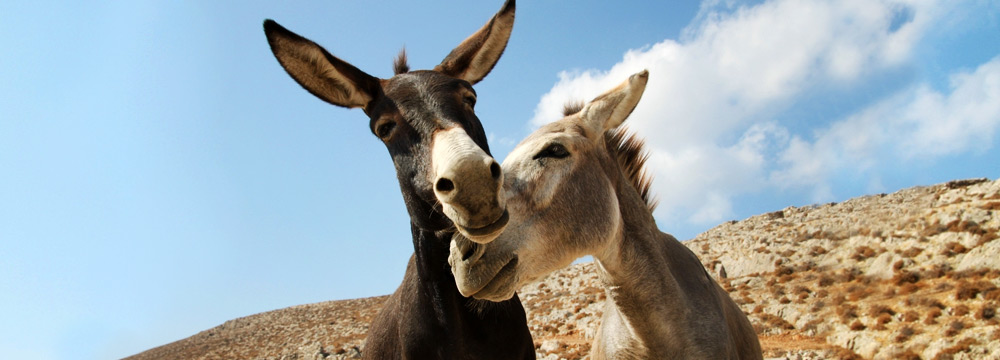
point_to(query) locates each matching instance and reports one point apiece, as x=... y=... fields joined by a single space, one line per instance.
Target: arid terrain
x=908 y=275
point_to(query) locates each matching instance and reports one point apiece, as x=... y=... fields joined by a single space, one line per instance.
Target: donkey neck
x=430 y=251
x=463 y=327
x=434 y=284
x=649 y=279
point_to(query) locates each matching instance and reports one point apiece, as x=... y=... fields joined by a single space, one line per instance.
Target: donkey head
x=561 y=188
x=426 y=119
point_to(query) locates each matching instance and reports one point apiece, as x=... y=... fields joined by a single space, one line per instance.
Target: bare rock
x=882 y=266
x=986 y=256
x=550 y=346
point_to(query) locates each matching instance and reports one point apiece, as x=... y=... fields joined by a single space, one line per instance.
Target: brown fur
x=399 y=65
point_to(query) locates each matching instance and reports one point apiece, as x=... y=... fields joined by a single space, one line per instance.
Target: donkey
x=449 y=182
x=577 y=187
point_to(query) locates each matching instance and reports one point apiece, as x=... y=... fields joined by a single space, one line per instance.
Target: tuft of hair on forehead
x=572 y=107
x=399 y=65
x=630 y=151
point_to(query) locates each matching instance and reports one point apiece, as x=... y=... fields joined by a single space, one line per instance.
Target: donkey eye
x=383 y=129
x=552 y=151
x=470 y=100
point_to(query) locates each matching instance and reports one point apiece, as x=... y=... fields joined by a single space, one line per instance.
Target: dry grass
x=960 y=310
x=857 y=326
x=962 y=346
x=776 y=322
x=847 y=312
x=987 y=237
x=953 y=248
x=932 y=316
x=966 y=290
x=912 y=252
x=905 y=333
x=987 y=312
x=859 y=292
x=863 y=252
x=908 y=288
x=954 y=328
x=881 y=321
x=878 y=309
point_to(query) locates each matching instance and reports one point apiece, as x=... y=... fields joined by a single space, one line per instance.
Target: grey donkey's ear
x=611 y=108
x=476 y=55
x=324 y=75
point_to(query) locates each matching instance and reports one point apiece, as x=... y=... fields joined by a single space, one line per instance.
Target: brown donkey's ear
x=610 y=109
x=476 y=56
x=324 y=75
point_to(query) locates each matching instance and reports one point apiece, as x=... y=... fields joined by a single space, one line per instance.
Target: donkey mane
x=399 y=65
x=631 y=153
x=572 y=107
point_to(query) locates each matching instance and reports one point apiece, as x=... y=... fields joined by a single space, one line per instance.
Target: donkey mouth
x=486 y=233
x=502 y=286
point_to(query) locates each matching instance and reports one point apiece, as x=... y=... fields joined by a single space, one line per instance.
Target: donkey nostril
x=495 y=170
x=445 y=185
x=470 y=251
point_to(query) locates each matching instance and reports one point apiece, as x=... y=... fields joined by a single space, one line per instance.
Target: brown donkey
x=577 y=187
x=427 y=121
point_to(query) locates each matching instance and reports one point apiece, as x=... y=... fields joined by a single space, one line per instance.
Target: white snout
x=467 y=183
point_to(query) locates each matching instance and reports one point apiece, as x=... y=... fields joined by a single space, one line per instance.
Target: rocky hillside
x=908 y=275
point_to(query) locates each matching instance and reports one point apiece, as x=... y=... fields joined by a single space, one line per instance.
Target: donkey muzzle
x=482 y=273
x=467 y=184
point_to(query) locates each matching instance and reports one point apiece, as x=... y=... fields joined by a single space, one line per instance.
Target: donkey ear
x=610 y=109
x=324 y=75
x=476 y=56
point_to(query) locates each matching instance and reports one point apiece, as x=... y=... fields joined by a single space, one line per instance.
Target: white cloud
x=965 y=119
x=916 y=123
x=707 y=113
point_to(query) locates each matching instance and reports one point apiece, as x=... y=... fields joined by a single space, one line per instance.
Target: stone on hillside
x=985 y=256
x=861 y=343
x=550 y=345
x=741 y=263
x=882 y=266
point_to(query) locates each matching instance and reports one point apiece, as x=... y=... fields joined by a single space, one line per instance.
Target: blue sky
x=160 y=174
